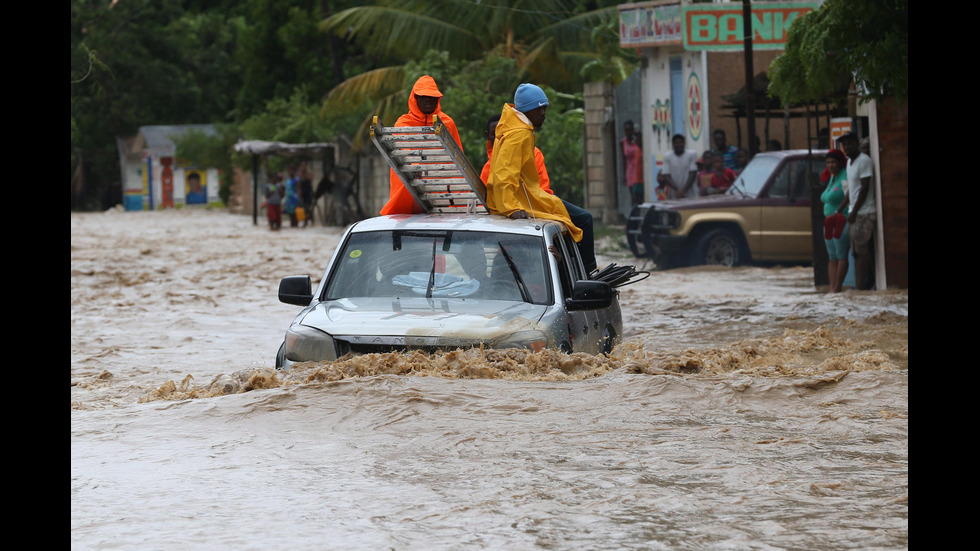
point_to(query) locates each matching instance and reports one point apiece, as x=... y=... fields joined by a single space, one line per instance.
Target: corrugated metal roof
x=259 y=147
x=158 y=138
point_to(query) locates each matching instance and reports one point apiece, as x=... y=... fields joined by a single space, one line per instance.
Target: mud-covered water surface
x=744 y=410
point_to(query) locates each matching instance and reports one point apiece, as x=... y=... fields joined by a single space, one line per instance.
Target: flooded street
x=745 y=410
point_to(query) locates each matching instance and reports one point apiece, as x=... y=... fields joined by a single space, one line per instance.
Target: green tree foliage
x=293 y=119
x=264 y=66
x=613 y=63
x=868 y=40
x=546 y=37
x=141 y=77
x=152 y=62
x=281 y=50
x=550 y=41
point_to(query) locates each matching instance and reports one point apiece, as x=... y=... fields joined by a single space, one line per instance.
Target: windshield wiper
x=432 y=272
x=738 y=187
x=525 y=296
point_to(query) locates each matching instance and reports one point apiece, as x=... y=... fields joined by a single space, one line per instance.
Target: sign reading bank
x=720 y=27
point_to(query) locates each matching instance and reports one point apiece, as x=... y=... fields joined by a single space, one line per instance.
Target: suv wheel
x=718 y=247
x=281 y=356
x=608 y=342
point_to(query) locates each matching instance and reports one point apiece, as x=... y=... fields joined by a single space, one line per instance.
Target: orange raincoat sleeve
x=542 y=171
x=485 y=173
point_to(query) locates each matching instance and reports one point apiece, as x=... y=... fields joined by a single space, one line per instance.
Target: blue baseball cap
x=528 y=97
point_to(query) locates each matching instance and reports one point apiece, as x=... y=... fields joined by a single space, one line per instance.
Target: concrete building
x=154 y=178
x=691 y=79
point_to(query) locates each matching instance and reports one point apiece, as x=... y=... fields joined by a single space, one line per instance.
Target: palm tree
x=549 y=39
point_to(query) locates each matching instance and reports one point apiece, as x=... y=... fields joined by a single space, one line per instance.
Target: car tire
x=281 y=356
x=608 y=342
x=718 y=247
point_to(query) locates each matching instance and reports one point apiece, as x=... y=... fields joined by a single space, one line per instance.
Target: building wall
x=706 y=79
x=893 y=149
x=240 y=199
x=660 y=104
x=143 y=178
x=600 y=156
x=661 y=107
x=726 y=76
x=374 y=180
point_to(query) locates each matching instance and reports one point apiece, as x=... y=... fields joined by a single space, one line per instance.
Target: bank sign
x=719 y=27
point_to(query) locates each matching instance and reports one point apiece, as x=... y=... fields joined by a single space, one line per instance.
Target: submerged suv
x=764 y=217
x=440 y=281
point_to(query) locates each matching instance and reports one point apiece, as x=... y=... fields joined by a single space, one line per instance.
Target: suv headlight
x=663 y=219
x=531 y=340
x=305 y=344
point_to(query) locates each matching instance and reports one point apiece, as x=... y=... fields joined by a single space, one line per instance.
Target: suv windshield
x=755 y=175
x=442 y=264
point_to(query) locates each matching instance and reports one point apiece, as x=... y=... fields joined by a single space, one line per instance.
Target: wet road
x=745 y=411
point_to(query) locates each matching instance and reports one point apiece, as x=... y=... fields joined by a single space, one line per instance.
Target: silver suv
x=439 y=282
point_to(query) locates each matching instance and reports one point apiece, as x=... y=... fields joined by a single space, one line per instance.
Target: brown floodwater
x=744 y=410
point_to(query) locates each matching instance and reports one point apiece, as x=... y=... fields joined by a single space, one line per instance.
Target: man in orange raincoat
x=423 y=106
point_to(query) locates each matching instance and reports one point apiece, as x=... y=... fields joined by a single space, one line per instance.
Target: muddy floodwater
x=744 y=410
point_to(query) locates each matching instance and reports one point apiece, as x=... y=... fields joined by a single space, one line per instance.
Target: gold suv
x=764 y=217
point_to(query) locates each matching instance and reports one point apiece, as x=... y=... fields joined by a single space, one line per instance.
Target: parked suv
x=764 y=217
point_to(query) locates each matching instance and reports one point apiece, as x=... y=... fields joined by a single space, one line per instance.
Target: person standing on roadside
x=632 y=156
x=291 y=196
x=863 y=217
x=680 y=170
x=721 y=177
x=728 y=152
x=306 y=193
x=836 y=232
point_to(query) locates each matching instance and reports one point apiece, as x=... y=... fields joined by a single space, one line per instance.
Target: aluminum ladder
x=432 y=167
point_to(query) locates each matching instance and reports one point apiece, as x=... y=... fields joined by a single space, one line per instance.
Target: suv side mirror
x=590 y=295
x=296 y=290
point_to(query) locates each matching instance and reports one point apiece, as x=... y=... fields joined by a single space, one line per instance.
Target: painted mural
x=661 y=118
x=195 y=187
x=167 y=183
x=694 y=107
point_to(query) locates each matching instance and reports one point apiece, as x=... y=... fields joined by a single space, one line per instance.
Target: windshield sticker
x=355 y=253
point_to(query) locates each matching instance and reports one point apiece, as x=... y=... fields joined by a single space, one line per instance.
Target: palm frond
x=388 y=109
x=394 y=31
x=370 y=86
x=571 y=31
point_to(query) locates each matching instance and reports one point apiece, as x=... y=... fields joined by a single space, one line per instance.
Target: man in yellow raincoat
x=514 y=186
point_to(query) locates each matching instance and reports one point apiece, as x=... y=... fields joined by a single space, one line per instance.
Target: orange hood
x=424 y=86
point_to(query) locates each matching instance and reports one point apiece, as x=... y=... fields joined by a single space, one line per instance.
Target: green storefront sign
x=719 y=27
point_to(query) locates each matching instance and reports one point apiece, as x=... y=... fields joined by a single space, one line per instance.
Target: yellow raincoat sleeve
x=505 y=176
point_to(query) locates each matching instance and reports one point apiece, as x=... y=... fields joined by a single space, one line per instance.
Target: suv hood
x=483 y=320
x=711 y=201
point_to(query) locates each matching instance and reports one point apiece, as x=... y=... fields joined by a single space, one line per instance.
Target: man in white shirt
x=863 y=215
x=680 y=170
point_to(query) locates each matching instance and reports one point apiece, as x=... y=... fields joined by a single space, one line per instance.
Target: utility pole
x=749 y=75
